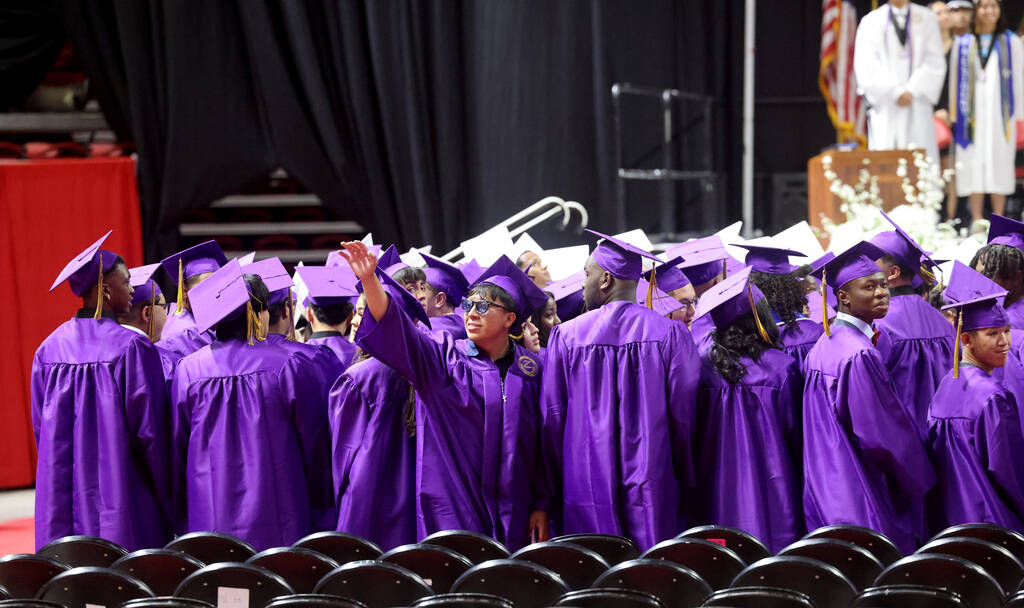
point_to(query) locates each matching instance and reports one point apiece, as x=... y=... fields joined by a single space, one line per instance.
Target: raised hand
x=359 y=258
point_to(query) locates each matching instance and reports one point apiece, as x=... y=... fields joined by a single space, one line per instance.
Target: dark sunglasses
x=482 y=306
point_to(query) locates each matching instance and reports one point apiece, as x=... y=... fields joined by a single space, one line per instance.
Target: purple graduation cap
x=391 y=261
x=204 y=257
x=275 y=277
x=856 y=262
x=669 y=276
x=471 y=270
x=619 y=258
x=703 y=259
x=568 y=294
x=1004 y=231
x=328 y=285
x=903 y=248
x=731 y=299
x=446 y=278
x=977 y=300
x=528 y=297
x=222 y=296
x=86 y=268
x=661 y=302
x=770 y=260
x=146 y=289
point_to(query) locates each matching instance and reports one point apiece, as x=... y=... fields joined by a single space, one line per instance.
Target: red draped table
x=49 y=211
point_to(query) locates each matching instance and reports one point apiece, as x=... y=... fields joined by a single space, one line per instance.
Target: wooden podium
x=847 y=165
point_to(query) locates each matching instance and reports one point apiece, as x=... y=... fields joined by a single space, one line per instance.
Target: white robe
x=884 y=71
x=987 y=164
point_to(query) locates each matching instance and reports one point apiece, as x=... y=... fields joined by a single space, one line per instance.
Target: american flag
x=835 y=76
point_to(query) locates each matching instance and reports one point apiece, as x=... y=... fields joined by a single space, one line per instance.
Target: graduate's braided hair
x=784 y=292
x=1000 y=262
x=741 y=339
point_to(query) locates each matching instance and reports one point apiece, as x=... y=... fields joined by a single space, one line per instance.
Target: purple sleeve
x=37 y=389
x=553 y=402
x=349 y=415
x=881 y=426
x=301 y=386
x=1000 y=444
x=683 y=380
x=148 y=415
x=400 y=345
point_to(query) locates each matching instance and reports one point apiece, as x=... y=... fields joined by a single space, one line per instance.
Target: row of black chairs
x=972 y=565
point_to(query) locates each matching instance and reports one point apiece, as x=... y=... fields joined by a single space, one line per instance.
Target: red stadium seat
x=274 y=242
x=10 y=150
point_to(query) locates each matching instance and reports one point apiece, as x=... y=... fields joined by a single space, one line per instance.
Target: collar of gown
x=864 y=328
x=135 y=329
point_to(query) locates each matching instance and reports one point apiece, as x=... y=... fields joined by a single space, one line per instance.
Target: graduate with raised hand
x=330 y=307
x=920 y=338
x=864 y=461
x=477 y=423
x=106 y=465
x=250 y=417
x=748 y=450
x=974 y=429
x=373 y=443
x=188 y=268
x=619 y=406
x=776 y=278
x=444 y=289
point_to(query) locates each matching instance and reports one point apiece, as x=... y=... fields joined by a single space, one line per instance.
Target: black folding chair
x=161 y=569
x=28 y=603
x=212 y=547
x=22 y=574
x=78 y=551
x=301 y=568
x=474 y=546
x=463 y=600
x=759 y=597
x=855 y=562
x=749 y=548
x=87 y=585
x=609 y=598
x=823 y=583
x=994 y=559
x=578 y=566
x=261 y=585
x=713 y=562
x=875 y=542
x=438 y=566
x=1011 y=540
x=671 y=583
x=1016 y=601
x=975 y=586
x=908 y=596
x=525 y=584
x=376 y=584
x=313 y=600
x=614 y=549
x=166 y=602
x=340 y=546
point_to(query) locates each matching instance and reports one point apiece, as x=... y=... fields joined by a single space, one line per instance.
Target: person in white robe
x=900 y=68
x=986 y=95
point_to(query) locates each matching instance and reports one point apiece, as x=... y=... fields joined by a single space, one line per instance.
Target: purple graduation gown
x=797 y=341
x=976 y=443
x=180 y=335
x=453 y=323
x=864 y=462
x=1016 y=314
x=373 y=454
x=748 y=435
x=921 y=352
x=1011 y=375
x=478 y=465
x=339 y=345
x=254 y=423
x=106 y=464
x=619 y=421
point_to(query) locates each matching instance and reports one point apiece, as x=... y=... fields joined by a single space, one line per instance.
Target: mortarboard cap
x=977 y=297
x=446 y=278
x=83 y=271
x=568 y=294
x=220 y=297
x=661 y=302
x=145 y=288
x=275 y=277
x=702 y=258
x=247 y=259
x=202 y=258
x=732 y=299
x=471 y=270
x=1004 y=231
x=901 y=246
x=391 y=261
x=328 y=285
x=619 y=258
x=770 y=260
x=856 y=262
x=528 y=297
x=669 y=276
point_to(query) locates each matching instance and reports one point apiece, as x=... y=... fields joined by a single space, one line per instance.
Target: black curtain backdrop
x=426 y=120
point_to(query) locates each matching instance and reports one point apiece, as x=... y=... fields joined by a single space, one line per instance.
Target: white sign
x=232 y=597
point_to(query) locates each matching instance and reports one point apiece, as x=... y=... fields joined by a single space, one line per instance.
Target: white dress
x=885 y=69
x=987 y=164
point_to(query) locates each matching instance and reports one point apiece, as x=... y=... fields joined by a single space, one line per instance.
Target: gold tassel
x=956 y=345
x=254 y=330
x=926 y=275
x=99 y=293
x=152 y=306
x=291 y=317
x=650 y=288
x=824 y=305
x=179 y=306
x=757 y=319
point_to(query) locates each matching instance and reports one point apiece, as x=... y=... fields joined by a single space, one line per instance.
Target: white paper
x=368 y=239
x=636 y=238
x=487 y=247
x=565 y=261
x=524 y=243
x=232 y=597
x=413 y=257
x=800 y=237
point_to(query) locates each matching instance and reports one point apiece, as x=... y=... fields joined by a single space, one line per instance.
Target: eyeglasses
x=689 y=303
x=482 y=306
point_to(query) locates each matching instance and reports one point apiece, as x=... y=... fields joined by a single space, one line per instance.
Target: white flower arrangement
x=918 y=216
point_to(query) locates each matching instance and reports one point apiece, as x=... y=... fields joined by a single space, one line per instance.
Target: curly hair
x=784 y=292
x=741 y=339
x=999 y=262
x=935 y=297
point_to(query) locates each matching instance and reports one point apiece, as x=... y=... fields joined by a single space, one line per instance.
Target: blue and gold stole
x=962 y=90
